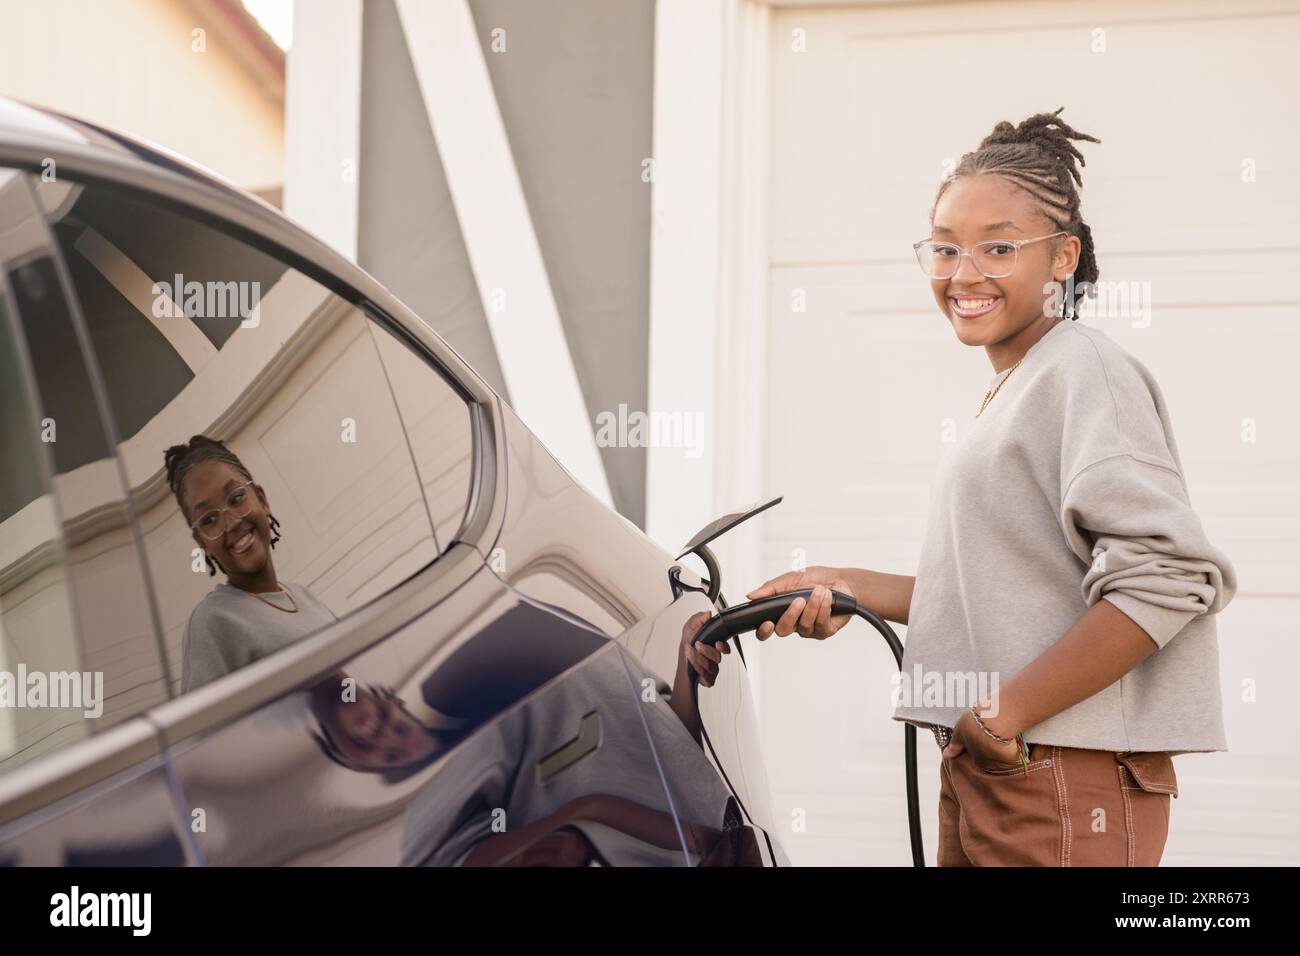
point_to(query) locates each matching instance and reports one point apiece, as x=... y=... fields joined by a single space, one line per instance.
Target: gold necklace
x=988 y=396
x=280 y=589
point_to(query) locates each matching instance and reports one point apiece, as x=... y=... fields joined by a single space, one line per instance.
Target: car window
x=78 y=648
x=273 y=479
x=438 y=425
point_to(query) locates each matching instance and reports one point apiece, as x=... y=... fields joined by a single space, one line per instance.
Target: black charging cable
x=731 y=622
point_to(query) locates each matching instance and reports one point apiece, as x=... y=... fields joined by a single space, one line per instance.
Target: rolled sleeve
x=1131 y=522
x=1160 y=623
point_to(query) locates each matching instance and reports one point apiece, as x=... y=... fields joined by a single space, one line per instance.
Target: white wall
x=130 y=65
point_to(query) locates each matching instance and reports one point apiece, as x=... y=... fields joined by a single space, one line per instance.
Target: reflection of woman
x=370 y=730
x=493 y=803
x=252 y=613
x=1066 y=491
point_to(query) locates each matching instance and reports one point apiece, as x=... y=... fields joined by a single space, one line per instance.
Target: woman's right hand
x=811 y=618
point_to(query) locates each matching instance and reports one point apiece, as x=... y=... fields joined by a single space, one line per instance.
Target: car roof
x=34 y=137
x=31 y=136
x=26 y=123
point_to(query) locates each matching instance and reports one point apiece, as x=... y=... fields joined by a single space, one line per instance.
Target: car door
x=380 y=473
x=487 y=730
x=83 y=776
x=561 y=548
x=560 y=545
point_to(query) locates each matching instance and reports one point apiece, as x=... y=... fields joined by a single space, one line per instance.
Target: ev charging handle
x=734 y=621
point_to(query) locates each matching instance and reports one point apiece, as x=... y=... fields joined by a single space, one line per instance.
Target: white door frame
x=708 y=272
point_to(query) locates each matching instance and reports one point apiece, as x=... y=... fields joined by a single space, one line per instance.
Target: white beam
x=322 y=152
x=499 y=236
x=708 y=275
x=740 y=465
x=684 y=262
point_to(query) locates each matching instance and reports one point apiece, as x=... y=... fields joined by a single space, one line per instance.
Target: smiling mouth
x=243 y=543
x=972 y=307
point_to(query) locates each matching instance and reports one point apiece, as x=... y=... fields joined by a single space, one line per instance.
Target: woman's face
x=978 y=208
x=244 y=546
x=375 y=734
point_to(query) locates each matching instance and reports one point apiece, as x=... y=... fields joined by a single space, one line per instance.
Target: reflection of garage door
x=1184 y=98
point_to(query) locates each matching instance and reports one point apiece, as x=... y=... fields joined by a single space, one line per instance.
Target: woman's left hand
x=987 y=753
x=706 y=659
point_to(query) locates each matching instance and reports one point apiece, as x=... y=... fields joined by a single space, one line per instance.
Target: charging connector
x=733 y=621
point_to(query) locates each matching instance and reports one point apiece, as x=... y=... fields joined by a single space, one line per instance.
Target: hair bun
x=1004 y=132
x=1048 y=133
x=178 y=459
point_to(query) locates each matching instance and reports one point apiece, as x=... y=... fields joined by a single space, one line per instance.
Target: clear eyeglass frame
x=1015 y=244
x=234 y=509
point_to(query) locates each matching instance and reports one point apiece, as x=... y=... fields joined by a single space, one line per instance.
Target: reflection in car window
x=134 y=264
x=262 y=443
x=36 y=627
x=438 y=424
x=230 y=515
x=78 y=650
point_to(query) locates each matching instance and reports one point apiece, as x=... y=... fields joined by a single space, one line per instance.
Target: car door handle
x=561 y=759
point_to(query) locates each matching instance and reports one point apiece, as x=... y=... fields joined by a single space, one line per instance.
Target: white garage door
x=1195 y=189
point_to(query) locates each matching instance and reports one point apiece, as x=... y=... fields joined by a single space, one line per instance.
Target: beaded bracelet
x=973 y=713
x=1018 y=738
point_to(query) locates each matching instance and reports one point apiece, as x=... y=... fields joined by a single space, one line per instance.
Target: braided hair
x=179 y=459
x=1039 y=157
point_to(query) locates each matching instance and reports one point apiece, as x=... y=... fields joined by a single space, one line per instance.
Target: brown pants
x=1075 y=808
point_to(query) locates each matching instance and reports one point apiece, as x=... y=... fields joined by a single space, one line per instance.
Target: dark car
x=495 y=678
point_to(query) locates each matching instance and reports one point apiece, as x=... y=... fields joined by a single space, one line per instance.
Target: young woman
x=1061 y=617
x=252 y=613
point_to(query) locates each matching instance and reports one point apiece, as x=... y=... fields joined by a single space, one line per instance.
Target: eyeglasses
x=994 y=258
x=239 y=503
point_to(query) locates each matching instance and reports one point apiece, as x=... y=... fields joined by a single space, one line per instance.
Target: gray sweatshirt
x=231 y=628
x=1068 y=490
